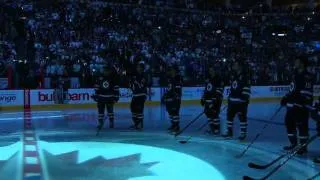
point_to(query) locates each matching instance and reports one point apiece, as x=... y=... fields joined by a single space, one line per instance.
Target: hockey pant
x=173 y=109
x=101 y=110
x=241 y=109
x=137 y=108
x=212 y=111
x=297 y=119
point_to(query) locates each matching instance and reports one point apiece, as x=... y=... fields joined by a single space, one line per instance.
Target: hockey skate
x=289 y=147
x=316 y=160
x=136 y=126
x=171 y=127
x=302 y=151
x=139 y=126
x=242 y=137
x=293 y=143
x=213 y=131
x=100 y=126
x=174 y=128
x=111 y=124
x=228 y=135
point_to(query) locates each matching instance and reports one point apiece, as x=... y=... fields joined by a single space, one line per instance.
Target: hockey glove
x=116 y=99
x=164 y=98
x=315 y=113
x=284 y=101
x=202 y=102
x=94 y=97
x=318 y=127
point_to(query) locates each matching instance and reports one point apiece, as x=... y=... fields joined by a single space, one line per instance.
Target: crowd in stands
x=75 y=38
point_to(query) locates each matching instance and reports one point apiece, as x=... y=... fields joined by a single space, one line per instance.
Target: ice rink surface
x=66 y=147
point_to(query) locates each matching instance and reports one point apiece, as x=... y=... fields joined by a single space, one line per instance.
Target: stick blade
x=183 y=142
x=239 y=156
x=256 y=166
x=248 y=178
x=176 y=134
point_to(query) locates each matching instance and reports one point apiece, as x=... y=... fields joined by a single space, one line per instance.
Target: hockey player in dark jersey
x=212 y=99
x=315 y=114
x=138 y=86
x=106 y=95
x=238 y=100
x=172 y=98
x=298 y=101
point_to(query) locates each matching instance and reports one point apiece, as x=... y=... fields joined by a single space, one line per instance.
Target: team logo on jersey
x=292 y=86
x=209 y=87
x=105 y=84
x=234 y=85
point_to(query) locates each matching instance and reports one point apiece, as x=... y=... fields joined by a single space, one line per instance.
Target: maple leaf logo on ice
x=65 y=167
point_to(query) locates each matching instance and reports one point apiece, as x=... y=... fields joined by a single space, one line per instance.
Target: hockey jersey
x=301 y=90
x=213 y=89
x=317 y=115
x=174 y=89
x=107 y=88
x=315 y=112
x=240 y=88
x=317 y=106
x=138 y=85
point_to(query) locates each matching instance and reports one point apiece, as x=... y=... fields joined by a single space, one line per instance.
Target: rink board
x=81 y=98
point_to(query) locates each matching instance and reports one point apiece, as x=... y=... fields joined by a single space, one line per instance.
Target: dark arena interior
x=159 y=89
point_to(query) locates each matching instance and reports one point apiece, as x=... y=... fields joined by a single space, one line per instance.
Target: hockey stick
x=265 y=166
x=314 y=177
x=258 y=166
x=199 y=129
x=259 y=134
x=189 y=124
x=291 y=155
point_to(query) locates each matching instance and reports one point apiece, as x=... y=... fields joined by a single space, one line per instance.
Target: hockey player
x=106 y=95
x=138 y=86
x=212 y=99
x=238 y=100
x=316 y=116
x=298 y=101
x=172 y=98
